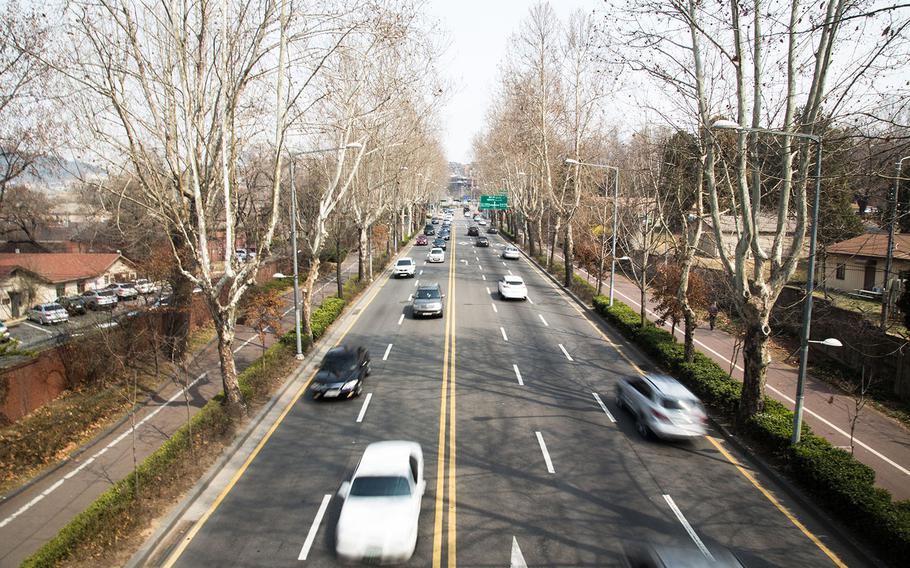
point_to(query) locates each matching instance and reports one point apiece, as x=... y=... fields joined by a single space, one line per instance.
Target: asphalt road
x=512 y=403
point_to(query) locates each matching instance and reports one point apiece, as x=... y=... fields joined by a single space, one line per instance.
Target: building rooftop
x=59 y=267
x=873 y=245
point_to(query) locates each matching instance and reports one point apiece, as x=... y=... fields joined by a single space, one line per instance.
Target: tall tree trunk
x=370 y=253
x=338 y=262
x=361 y=252
x=224 y=326
x=755 y=365
x=689 y=325
x=306 y=308
x=553 y=238
x=568 y=254
x=530 y=232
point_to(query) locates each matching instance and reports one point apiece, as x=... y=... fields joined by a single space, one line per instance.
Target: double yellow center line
x=446 y=405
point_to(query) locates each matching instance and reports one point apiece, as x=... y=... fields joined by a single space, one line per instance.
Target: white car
x=405 y=267
x=48 y=313
x=145 y=286
x=510 y=253
x=378 y=522
x=436 y=255
x=512 y=288
x=123 y=291
x=482 y=222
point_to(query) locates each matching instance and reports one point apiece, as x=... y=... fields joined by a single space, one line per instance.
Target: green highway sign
x=495 y=202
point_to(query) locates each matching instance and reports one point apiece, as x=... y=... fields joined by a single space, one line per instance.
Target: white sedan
x=379 y=518
x=510 y=253
x=436 y=255
x=512 y=288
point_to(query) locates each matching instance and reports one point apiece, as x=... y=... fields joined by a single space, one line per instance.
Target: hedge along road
x=544 y=467
x=35 y=514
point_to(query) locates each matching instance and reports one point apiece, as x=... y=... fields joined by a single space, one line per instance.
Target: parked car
x=145 y=286
x=48 y=313
x=473 y=231
x=492 y=230
x=440 y=243
x=437 y=254
x=74 y=305
x=123 y=291
x=405 y=267
x=341 y=373
x=510 y=253
x=4 y=332
x=421 y=241
x=378 y=522
x=99 y=299
x=512 y=288
x=662 y=406
x=482 y=242
x=427 y=301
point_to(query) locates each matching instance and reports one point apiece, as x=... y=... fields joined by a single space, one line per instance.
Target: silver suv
x=661 y=406
x=427 y=301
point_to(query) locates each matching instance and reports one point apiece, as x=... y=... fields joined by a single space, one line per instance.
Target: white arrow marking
x=517 y=561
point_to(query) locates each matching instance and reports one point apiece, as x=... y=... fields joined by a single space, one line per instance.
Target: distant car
x=435 y=221
x=405 y=267
x=421 y=241
x=467 y=214
x=341 y=373
x=145 y=286
x=510 y=253
x=48 y=313
x=123 y=291
x=4 y=332
x=477 y=218
x=99 y=299
x=473 y=231
x=430 y=229
x=378 y=522
x=492 y=230
x=662 y=406
x=427 y=301
x=482 y=222
x=512 y=288
x=446 y=235
x=437 y=254
x=74 y=305
x=440 y=243
x=482 y=242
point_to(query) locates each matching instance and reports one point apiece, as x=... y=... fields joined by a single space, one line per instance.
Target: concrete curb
x=831 y=524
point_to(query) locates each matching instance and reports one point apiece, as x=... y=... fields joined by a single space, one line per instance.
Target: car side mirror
x=344 y=490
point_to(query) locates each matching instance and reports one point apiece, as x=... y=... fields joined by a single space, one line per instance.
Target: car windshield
x=514 y=282
x=427 y=294
x=680 y=404
x=405 y=262
x=339 y=363
x=105 y=292
x=384 y=486
x=53 y=307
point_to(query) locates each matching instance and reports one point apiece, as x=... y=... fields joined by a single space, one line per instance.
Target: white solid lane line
x=566 y=353
x=97 y=454
x=504 y=336
x=400 y=319
x=314 y=528
x=546 y=454
x=543 y=320
x=363 y=409
x=603 y=407
x=245 y=343
x=386 y=354
x=701 y=546
x=494 y=308
x=518 y=375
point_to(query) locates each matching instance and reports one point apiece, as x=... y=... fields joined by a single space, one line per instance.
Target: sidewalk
x=35 y=513
x=880 y=442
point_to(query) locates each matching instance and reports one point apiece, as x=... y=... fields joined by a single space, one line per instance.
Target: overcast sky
x=478 y=33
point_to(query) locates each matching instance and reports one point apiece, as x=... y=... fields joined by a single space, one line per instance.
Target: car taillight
x=660 y=415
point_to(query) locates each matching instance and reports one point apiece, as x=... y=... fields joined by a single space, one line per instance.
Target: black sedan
x=492 y=231
x=342 y=373
x=440 y=242
x=473 y=231
x=482 y=242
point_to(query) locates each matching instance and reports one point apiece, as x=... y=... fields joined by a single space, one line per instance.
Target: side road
x=879 y=441
x=35 y=513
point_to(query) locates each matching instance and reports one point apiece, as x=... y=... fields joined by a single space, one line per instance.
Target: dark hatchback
x=74 y=305
x=473 y=231
x=342 y=373
x=482 y=242
x=440 y=242
x=429 y=230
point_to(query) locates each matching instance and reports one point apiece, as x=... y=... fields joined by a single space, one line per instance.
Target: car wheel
x=642 y=428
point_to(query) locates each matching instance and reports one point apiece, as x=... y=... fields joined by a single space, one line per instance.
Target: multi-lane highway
x=528 y=459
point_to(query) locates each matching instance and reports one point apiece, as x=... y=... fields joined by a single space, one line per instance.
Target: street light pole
x=299 y=353
x=810 y=278
x=615 y=217
x=886 y=304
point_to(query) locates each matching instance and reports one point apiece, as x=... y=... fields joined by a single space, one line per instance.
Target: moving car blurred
x=482 y=242
x=405 y=267
x=422 y=241
x=662 y=406
x=341 y=373
x=99 y=299
x=74 y=305
x=678 y=556
x=437 y=254
x=427 y=301
x=379 y=518
x=510 y=253
x=512 y=288
x=48 y=313
x=492 y=230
